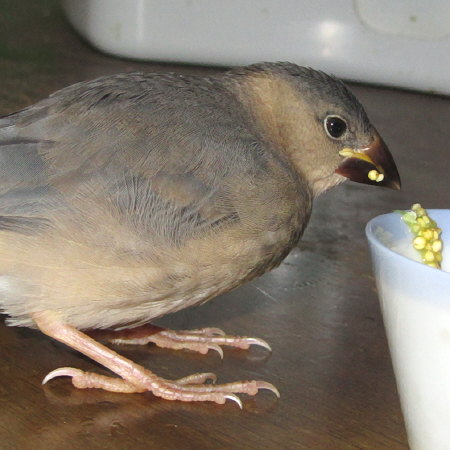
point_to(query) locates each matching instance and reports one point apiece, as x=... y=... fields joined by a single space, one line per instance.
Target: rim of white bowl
x=372 y=238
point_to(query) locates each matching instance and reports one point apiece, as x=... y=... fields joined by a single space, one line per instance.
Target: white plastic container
x=415 y=302
x=402 y=43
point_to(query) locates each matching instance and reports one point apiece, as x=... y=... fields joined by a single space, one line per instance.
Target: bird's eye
x=335 y=126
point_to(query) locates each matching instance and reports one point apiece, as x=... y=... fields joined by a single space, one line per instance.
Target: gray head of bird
x=319 y=124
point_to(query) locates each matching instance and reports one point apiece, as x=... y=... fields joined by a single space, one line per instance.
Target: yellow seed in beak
x=374 y=175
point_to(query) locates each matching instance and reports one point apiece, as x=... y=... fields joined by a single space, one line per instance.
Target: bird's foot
x=135 y=378
x=188 y=389
x=201 y=340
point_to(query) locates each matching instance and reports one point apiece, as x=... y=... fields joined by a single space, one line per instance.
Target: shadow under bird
x=135 y=195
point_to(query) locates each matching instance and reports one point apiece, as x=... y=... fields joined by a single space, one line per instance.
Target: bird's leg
x=136 y=378
x=200 y=340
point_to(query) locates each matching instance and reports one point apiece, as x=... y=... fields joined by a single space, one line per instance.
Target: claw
x=62 y=372
x=216 y=348
x=260 y=342
x=234 y=398
x=268 y=386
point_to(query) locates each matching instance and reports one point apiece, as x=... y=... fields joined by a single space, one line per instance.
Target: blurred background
x=402 y=43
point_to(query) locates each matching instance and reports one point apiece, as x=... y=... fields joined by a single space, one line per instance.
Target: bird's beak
x=370 y=165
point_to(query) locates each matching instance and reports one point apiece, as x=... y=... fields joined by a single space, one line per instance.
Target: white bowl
x=400 y=43
x=415 y=302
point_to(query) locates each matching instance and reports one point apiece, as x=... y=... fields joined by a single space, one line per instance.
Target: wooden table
x=319 y=310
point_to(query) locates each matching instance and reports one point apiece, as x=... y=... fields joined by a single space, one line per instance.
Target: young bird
x=135 y=195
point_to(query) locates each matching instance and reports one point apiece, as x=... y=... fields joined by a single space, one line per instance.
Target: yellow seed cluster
x=427 y=235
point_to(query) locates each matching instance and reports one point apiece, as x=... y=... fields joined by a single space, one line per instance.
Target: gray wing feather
x=156 y=150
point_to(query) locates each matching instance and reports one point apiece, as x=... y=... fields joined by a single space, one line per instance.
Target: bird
x=135 y=195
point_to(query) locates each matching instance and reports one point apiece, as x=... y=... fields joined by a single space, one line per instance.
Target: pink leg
x=200 y=340
x=136 y=378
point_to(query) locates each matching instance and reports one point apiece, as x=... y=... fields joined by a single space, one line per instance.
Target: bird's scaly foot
x=135 y=378
x=201 y=340
x=188 y=389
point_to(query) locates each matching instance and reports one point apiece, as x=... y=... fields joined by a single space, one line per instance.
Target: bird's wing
x=161 y=158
